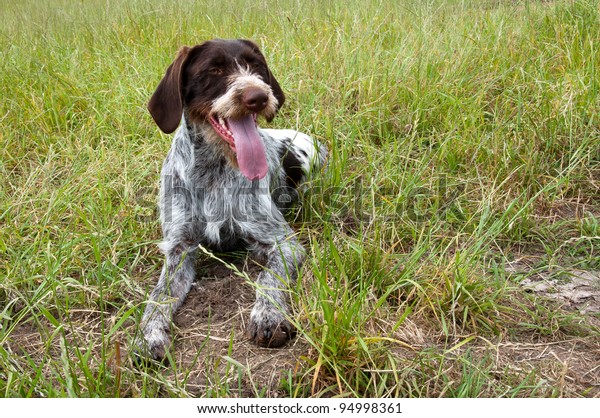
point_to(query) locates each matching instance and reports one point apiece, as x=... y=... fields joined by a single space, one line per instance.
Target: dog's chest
x=226 y=214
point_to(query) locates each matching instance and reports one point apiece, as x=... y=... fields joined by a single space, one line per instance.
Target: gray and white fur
x=206 y=200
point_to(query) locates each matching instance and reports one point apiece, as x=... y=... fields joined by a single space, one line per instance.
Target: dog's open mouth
x=243 y=138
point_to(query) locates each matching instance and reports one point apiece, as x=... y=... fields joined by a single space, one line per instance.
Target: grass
x=464 y=138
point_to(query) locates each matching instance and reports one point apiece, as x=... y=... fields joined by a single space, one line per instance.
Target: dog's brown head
x=227 y=84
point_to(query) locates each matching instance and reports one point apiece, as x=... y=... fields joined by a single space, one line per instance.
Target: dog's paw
x=269 y=328
x=153 y=345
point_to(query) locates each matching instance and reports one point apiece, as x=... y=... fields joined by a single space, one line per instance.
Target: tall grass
x=463 y=135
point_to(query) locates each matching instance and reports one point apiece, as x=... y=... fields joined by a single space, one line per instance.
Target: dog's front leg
x=174 y=284
x=270 y=324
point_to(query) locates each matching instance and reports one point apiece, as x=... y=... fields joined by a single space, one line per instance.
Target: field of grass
x=464 y=142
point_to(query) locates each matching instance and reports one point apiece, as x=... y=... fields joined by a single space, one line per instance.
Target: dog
x=226 y=184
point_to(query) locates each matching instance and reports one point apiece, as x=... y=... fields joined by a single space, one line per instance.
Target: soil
x=215 y=358
x=213 y=318
x=211 y=332
x=574 y=289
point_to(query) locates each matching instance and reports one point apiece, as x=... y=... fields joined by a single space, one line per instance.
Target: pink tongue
x=249 y=147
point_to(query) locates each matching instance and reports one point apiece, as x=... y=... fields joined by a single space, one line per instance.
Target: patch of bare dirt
x=543 y=367
x=561 y=362
x=574 y=364
x=564 y=209
x=211 y=336
x=574 y=289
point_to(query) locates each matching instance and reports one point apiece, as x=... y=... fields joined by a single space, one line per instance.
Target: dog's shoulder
x=298 y=153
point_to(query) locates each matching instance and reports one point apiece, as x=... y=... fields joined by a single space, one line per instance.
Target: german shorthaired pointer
x=225 y=183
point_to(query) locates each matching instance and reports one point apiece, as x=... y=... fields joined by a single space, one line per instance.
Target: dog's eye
x=215 y=71
x=256 y=64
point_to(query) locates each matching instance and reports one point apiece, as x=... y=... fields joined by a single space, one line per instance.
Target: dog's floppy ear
x=277 y=92
x=166 y=104
x=272 y=81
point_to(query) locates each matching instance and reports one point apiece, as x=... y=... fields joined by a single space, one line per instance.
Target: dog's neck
x=196 y=132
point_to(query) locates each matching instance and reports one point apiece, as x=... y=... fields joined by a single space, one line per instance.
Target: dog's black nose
x=255 y=99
